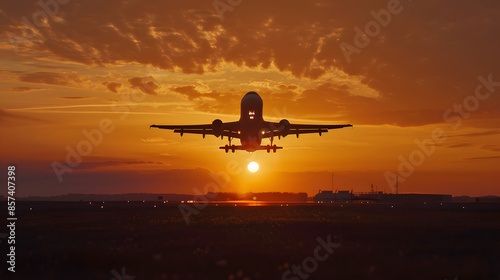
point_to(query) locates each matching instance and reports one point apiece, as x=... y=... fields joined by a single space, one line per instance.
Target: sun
x=253 y=166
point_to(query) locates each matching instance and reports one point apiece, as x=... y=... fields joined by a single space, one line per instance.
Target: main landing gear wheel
x=269 y=148
x=227 y=148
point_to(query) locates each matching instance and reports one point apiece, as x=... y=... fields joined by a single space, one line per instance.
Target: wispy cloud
x=24 y=89
x=459 y=145
x=7 y=115
x=483 y=158
x=75 y=97
x=495 y=148
x=52 y=78
x=475 y=134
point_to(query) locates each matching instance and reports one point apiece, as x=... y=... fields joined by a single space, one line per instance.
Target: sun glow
x=253 y=167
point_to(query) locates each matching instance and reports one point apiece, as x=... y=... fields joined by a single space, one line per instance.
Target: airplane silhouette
x=251 y=127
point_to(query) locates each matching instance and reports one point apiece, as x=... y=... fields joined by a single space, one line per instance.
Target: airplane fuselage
x=251 y=122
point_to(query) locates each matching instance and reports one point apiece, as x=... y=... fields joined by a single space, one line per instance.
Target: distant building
x=380 y=197
x=414 y=198
x=337 y=196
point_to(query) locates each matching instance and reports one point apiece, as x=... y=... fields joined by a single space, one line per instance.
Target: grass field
x=82 y=241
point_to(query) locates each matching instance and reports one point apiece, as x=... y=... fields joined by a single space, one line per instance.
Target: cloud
x=475 y=134
x=51 y=67
x=112 y=86
x=157 y=140
x=459 y=145
x=483 y=158
x=51 y=78
x=290 y=87
x=495 y=148
x=327 y=102
x=92 y=165
x=421 y=63
x=6 y=116
x=144 y=84
x=188 y=91
x=75 y=97
x=23 y=89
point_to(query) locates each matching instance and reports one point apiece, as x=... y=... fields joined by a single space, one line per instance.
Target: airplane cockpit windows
x=251 y=114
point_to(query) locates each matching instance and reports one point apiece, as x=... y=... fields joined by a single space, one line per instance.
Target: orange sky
x=71 y=65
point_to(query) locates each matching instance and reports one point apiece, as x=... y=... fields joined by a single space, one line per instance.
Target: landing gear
x=271 y=147
x=228 y=138
x=229 y=147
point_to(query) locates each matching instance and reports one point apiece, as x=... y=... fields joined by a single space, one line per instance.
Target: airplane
x=251 y=128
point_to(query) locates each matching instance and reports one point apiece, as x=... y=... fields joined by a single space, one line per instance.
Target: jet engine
x=217 y=127
x=284 y=127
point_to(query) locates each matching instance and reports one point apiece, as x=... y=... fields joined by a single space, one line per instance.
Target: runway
x=224 y=241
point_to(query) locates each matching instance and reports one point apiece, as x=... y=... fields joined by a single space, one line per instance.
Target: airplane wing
x=284 y=128
x=229 y=129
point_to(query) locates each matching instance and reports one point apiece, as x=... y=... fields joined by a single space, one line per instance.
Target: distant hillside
x=264 y=196
x=111 y=197
x=261 y=196
x=469 y=199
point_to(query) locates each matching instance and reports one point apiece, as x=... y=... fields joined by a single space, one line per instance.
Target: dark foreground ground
x=125 y=241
